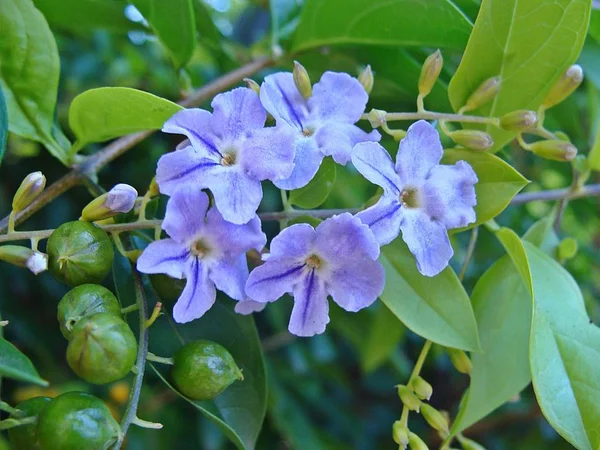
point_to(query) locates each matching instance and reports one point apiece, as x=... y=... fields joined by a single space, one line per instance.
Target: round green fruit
x=204 y=369
x=25 y=437
x=77 y=421
x=84 y=301
x=79 y=253
x=102 y=348
x=168 y=289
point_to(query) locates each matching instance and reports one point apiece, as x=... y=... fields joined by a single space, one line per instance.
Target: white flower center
x=409 y=198
x=314 y=261
x=228 y=159
x=200 y=249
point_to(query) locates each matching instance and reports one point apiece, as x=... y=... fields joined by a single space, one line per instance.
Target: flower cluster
x=230 y=151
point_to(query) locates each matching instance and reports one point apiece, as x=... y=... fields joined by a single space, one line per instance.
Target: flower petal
x=296 y=241
x=234 y=239
x=230 y=276
x=185 y=166
x=338 y=139
x=237 y=195
x=270 y=281
x=375 y=164
x=197 y=297
x=280 y=96
x=419 y=152
x=185 y=213
x=310 y=314
x=236 y=112
x=339 y=97
x=268 y=153
x=164 y=256
x=344 y=239
x=248 y=306
x=449 y=194
x=357 y=286
x=428 y=240
x=307 y=160
x=383 y=218
x=196 y=124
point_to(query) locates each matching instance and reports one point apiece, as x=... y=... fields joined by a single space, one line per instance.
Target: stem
x=9 y=409
x=12 y=423
x=415 y=373
x=470 y=251
x=591 y=190
x=429 y=115
x=130 y=309
x=294 y=213
x=160 y=359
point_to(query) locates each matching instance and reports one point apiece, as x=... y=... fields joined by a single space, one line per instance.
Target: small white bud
x=37 y=263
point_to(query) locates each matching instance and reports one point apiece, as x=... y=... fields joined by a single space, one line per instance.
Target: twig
x=430 y=115
x=557 y=194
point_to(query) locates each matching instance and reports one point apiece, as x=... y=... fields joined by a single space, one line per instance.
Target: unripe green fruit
x=25 y=437
x=102 y=348
x=168 y=289
x=204 y=369
x=77 y=421
x=79 y=253
x=84 y=301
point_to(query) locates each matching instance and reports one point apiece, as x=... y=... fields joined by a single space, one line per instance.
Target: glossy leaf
x=30 y=71
x=594 y=29
x=381 y=22
x=594 y=156
x=174 y=23
x=436 y=308
x=15 y=365
x=514 y=247
x=529 y=43
x=3 y=125
x=318 y=189
x=105 y=113
x=384 y=335
x=498 y=182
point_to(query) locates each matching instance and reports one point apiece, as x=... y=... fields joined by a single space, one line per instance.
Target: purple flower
x=230 y=153
x=338 y=258
x=205 y=249
x=420 y=197
x=324 y=123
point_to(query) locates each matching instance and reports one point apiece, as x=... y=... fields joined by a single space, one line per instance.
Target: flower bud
x=430 y=72
x=485 y=93
x=434 y=418
x=473 y=139
x=422 y=388
x=468 y=444
x=567 y=249
x=35 y=261
x=302 y=80
x=400 y=434
x=31 y=187
x=408 y=397
x=120 y=199
x=416 y=443
x=554 y=149
x=377 y=117
x=366 y=79
x=521 y=120
x=153 y=189
x=564 y=86
x=251 y=84
x=460 y=360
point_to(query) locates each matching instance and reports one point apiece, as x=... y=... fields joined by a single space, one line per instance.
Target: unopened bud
x=430 y=72
x=120 y=199
x=400 y=434
x=473 y=139
x=408 y=397
x=554 y=149
x=366 y=79
x=251 y=84
x=434 y=418
x=468 y=444
x=377 y=117
x=153 y=189
x=581 y=164
x=521 y=120
x=302 y=80
x=422 y=388
x=564 y=86
x=485 y=93
x=35 y=261
x=416 y=443
x=460 y=360
x=31 y=187
x=567 y=249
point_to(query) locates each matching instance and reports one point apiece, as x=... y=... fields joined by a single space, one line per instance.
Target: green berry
x=77 y=421
x=102 y=348
x=168 y=289
x=79 y=253
x=204 y=369
x=25 y=437
x=84 y=301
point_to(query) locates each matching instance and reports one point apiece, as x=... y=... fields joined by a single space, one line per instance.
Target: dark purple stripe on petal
x=194 y=280
x=281 y=275
x=386 y=215
x=366 y=163
x=308 y=293
x=289 y=106
x=210 y=146
x=191 y=170
x=180 y=257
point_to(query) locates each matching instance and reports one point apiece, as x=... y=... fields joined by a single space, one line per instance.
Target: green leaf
x=529 y=43
x=381 y=22
x=594 y=29
x=174 y=23
x=84 y=15
x=594 y=156
x=3 y=125
x=514 y=247
x=15 y=365
x=318 y=189
x=542 y=235
x=204 y=23
x=383 y=336
x=109 y=112
x=564 y=353
x=436 y=308
x=29 y=73
x=498 y=182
